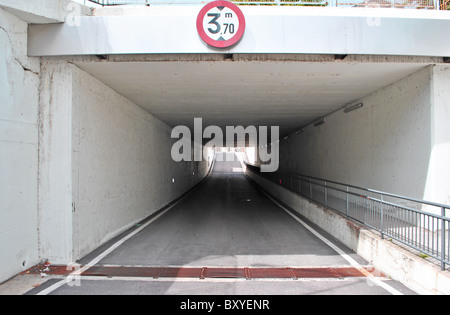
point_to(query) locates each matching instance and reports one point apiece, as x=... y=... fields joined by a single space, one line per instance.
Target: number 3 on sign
x=214 y=21
x=221 y=24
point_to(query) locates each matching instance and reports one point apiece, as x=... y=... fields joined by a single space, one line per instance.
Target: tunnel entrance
x=124 y=110
x=95 y=95
x=285 y=90
x=225 y=222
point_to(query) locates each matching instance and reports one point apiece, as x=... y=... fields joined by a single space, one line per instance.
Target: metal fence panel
x=414 y=4
x=399 y=218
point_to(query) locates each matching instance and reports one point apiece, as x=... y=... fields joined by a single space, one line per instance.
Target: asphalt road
x=226 y=222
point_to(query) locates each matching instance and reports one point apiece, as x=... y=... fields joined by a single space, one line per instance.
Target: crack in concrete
x=25 y=68
x=13 y=53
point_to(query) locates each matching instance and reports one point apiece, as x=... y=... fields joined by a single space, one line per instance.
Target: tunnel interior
x=325 y=110
x=225 y=222
x=289 y=91
x=114 y=124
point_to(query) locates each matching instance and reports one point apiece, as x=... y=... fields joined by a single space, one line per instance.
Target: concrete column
x=438 y=179
x=55 y=163
x=19 y=83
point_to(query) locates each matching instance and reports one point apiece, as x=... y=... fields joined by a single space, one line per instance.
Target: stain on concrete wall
x=19 y=82
x=384 y=145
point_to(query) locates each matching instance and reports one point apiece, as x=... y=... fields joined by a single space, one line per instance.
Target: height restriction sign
x=221 y=24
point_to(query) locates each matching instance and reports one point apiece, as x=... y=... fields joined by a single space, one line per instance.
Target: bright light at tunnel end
x=189 y=146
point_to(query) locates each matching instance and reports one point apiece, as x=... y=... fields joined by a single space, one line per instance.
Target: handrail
x=445 y=5
x=427 y=4
x=423 y=231
x=435 y=204
x=430 y=203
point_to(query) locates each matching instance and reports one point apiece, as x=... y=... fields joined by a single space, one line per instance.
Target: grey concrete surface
x=225 y=222
x=350 y=286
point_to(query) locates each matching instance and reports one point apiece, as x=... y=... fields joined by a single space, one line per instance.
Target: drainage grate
x=205 y=272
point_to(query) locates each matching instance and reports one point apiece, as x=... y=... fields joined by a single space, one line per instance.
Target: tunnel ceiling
x=268 y=93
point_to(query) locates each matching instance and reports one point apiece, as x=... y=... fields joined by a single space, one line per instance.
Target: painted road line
x=78 y=272
x=350 y=260
x=97 y=259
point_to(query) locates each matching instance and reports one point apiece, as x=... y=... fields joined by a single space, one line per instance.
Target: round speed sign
x=221 y=24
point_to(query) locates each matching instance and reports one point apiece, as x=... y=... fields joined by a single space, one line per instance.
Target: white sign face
x=221 y=24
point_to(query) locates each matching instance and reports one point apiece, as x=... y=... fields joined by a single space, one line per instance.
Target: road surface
x=224 y=237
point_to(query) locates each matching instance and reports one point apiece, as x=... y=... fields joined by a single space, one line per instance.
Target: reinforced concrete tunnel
x=109 y=130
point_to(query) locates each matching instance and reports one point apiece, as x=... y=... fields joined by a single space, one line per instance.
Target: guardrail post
x=382 y=217
x=346 y=201
x=310 y=189
x=443 y=238
x=393 y=218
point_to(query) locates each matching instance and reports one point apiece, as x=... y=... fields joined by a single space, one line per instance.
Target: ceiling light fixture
x=353 y=107
x=319 y=122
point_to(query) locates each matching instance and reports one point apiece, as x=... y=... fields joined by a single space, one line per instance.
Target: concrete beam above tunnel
x=271 y=29
x=289 y=91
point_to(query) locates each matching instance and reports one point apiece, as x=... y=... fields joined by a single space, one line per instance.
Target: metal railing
x=415 y=4
x=182 y=2
x=120 y=2
x=412 y=4
x=420 y=225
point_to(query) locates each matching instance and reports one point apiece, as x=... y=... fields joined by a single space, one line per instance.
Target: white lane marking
x=77 y=273
x=350 y=260
x=92 y=263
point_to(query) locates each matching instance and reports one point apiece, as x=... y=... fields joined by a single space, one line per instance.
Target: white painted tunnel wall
x=55 y=162
x=107 y=164
x=19 y=83
x=122 y=167
x=389 y=144
x=19 y=133
x=39 y=215
x=438 y=181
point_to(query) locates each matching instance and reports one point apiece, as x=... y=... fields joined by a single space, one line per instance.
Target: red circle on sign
x=221 y=43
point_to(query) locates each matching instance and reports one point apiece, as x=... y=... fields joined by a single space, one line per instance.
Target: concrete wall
x=329 y=31
x=438 y=183
x=55 y=162
x=19 y=83
x=390 y=144
x=79 y=163
x=122 y=167
x=105 y=163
